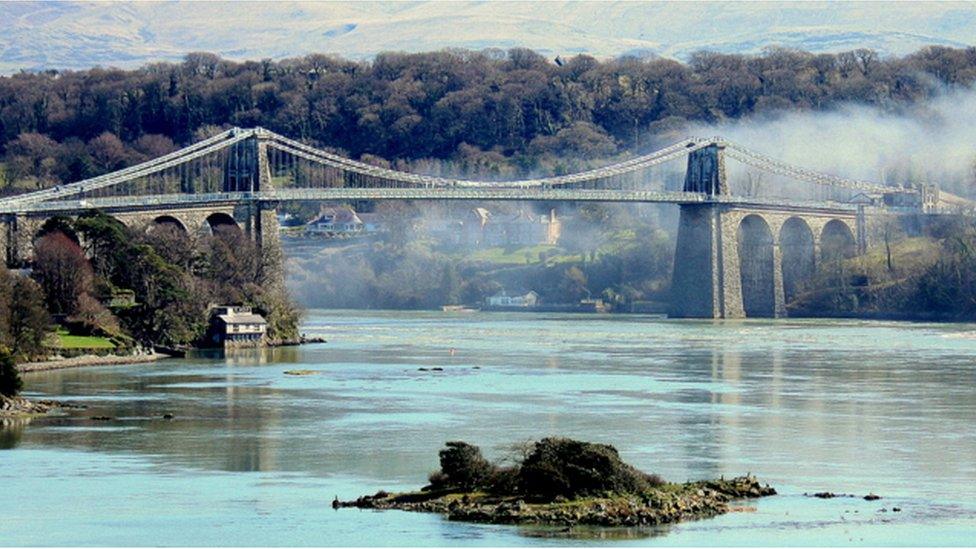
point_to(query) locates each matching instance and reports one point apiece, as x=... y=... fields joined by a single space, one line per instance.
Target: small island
x=560 y=481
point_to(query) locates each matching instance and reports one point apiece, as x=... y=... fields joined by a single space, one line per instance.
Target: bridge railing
x=175 y=201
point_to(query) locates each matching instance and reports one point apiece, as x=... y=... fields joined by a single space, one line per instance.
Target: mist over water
x=934 y=141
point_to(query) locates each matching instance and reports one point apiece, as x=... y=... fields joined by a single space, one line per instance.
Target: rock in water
x=561 y=481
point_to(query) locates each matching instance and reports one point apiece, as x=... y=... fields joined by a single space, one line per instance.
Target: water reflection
x=593 y=533
x=11 y=430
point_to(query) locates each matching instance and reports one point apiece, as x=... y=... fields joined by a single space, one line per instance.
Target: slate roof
x=243 y=318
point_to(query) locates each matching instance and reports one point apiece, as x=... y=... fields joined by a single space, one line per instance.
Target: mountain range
x=79 y=34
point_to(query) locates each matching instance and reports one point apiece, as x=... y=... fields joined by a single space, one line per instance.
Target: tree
x=108 y=153
x=10 y=383
x=173 y=244
x=63 y=271
x=29 y=322
x=232 y=262
x=32 y=155
x=463 y=466
x=573 y=285
x=581 y=139
x=95 y=317
x=6 y=296
x=171 y=303
x=154 y=145
x=450 y=284
x=106 y=242
x=24 y=319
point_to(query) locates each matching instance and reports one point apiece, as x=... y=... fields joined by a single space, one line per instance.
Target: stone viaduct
x=737 y=262
x=19 y=232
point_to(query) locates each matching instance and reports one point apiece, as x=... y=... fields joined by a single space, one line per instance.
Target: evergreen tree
x=10 y=382
x=29 y=319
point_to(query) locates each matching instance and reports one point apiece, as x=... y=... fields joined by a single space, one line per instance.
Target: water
x=254 y=456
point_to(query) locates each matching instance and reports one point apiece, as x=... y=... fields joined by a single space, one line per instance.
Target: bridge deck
x=479 y=194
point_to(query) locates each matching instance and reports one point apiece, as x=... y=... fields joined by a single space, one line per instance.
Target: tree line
x=488 y=112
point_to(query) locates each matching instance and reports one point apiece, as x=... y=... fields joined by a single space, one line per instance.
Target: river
x=254 y=456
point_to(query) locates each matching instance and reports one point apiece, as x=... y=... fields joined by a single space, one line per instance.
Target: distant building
x=906 y=199
x=480 y=227
x=235 y=326
x=529 y=302
x=517 y=299
x=472 y=227
x=333 y=222
x=523 y=229
x=344 y=221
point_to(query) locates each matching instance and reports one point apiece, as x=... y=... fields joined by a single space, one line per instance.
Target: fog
x=415 y=263
x=932 y=142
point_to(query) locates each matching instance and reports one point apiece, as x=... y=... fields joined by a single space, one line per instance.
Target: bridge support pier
x=17 y=239
x=260 y=222
x=724 y=265
x=706 y=281
x=779 y=292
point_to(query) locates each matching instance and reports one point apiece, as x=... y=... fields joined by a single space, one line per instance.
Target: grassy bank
x=921 y=278
x=62 y=339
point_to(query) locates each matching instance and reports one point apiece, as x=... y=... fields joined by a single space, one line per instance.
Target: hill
x=61 y=34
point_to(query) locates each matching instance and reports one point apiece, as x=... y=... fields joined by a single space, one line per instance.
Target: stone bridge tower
x=698 y=284
x=247 y=169
x=736 y=260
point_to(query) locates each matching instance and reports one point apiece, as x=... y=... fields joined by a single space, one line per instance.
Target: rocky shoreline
x=561 y=482
x=301 y=340
x=60 y=363
x=88 y=360
x=20 y=407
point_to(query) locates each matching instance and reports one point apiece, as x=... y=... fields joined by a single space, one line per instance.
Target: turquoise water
x=254 y=456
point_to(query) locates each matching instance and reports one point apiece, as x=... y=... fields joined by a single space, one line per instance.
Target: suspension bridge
x=744 y=242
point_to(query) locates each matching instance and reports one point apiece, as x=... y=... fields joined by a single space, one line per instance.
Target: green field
x=64 y=340
x=518 y=256
x=614 y=244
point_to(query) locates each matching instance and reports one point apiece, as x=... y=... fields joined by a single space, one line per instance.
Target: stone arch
x=837 y=241
x=167 y=221
x=219 y=221
x=58 y=223
x=796 y=243
x=756 y=266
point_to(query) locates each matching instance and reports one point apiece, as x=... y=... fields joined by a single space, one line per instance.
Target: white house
x=518 y=299
x=335 y=222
